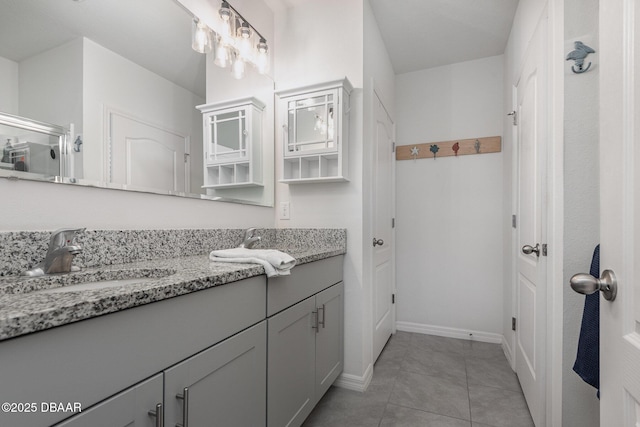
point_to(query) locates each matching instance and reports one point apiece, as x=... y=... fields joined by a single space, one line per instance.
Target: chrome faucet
x=250 y=238
x=62 y=250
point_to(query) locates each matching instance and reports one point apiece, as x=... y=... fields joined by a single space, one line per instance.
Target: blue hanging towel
x=588 y=358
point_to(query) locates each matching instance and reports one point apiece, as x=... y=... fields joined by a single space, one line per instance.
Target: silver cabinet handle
x=528 y=249
x=587 y=284
x=159 y=415
x=323 y=316
x=377 y=242
x=185 y=407
x=315 y=325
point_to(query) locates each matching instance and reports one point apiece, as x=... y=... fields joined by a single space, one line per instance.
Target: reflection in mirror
x=126 y=97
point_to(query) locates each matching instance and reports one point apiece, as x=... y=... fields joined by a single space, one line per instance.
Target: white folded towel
x=275 y=263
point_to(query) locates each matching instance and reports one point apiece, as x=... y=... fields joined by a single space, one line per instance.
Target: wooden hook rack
x=458 y=147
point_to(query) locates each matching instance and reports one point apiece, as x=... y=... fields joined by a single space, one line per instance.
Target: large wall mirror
x=119 y=77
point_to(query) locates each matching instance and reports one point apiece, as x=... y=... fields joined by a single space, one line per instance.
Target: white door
x=530 y=266
x=144 y=156
x=620 y=211
x=382 y=199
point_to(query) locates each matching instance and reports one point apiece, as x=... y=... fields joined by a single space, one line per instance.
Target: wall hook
x=414 y=152
x=455 y=148
x=77 y=143
x=477 y=146
x=579 y=54
x=434 y=149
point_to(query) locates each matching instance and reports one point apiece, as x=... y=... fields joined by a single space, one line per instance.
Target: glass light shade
x=222 y=54
x=201 y=37
x=238 y=67
x=227 y=22
x=262 y=57
x=244 y=41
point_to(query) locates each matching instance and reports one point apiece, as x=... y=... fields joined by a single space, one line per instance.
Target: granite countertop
x=24 y=310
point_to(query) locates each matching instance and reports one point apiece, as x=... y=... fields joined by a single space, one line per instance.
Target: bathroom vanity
x=210 y=344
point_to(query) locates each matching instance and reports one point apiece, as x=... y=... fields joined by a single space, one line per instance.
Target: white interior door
x=619 y=211
x=145 y=156
x=382 y=199
x=530 y=267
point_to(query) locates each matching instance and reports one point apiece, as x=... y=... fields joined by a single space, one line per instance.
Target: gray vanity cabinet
x=306 y=349
x=330 y=337
x=305 y=357
x=292 y=347
x=127 y=409
x=224 y=385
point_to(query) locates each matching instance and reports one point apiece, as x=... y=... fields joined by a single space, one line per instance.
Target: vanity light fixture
x=235 y=44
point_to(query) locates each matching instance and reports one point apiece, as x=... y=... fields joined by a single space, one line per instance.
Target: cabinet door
x=329 y=340
x=226 y=384
x=129 y=408
x=291 y=365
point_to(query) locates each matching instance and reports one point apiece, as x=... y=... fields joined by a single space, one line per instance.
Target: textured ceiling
x=423 y=34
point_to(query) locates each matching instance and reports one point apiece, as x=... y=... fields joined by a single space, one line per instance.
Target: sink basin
x=85 y=280
x=103 y=284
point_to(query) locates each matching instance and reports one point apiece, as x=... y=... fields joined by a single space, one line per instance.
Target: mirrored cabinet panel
x=315 y=128
x=233 y=140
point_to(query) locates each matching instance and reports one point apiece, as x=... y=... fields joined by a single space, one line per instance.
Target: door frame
x=554 y=214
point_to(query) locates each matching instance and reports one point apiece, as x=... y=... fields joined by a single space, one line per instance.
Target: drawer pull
x=185 y=407
x=315 y=320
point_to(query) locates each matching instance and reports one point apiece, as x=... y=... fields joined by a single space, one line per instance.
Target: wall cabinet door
x=224 y=385
x=330 y=337
x=129 y=408
x=291 y=369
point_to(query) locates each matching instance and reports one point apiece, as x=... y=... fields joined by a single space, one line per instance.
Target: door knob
x=377 y=242
x=587 y=284
x=528 y=249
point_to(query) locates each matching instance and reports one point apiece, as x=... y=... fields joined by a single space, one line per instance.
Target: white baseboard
x=465 y=334
x=507 y=352
x=355 y=382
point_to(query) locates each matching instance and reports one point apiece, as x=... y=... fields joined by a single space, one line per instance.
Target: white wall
x=51 y=85
x=316 y=42
x=581 y=197
x=449 y=215
x=111 y=81
x=9 y=86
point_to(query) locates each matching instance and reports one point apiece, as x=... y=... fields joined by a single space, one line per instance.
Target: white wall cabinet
x=315 y=132
x=232 y=136
x=305 y=355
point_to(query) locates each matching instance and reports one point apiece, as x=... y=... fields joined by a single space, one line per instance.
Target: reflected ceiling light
x=238 y=67
x=237 y=42
x=201 y=37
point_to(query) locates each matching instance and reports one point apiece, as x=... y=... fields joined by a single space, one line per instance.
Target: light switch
x=284 y=210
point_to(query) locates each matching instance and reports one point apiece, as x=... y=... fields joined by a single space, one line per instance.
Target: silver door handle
x=159 y=415
x=185 y=407
x=528 y=249
x=377 y=242
x=587 y=284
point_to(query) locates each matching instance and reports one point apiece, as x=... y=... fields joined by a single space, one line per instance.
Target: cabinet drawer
x=304 y=281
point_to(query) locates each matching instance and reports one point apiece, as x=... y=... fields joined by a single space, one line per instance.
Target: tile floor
x=429 y=381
